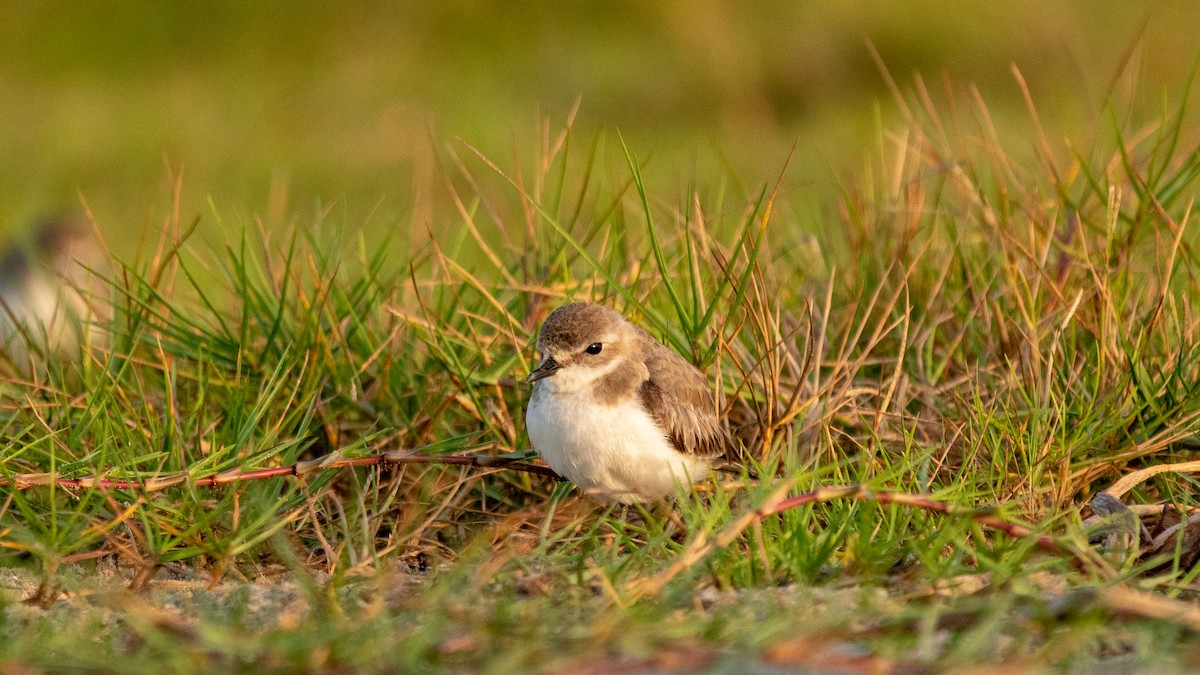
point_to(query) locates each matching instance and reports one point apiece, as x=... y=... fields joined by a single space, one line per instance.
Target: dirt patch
x=101 y=594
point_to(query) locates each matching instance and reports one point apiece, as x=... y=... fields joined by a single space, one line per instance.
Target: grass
x=995 y=340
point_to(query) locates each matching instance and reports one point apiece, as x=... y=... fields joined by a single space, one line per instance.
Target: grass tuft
x=974 y=342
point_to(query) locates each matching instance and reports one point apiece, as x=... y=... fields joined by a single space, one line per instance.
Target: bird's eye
x=594 y=348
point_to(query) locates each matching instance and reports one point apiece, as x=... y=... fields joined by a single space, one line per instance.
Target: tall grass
x=1004 y=336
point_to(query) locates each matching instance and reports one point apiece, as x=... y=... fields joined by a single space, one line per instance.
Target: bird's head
x=580 y=343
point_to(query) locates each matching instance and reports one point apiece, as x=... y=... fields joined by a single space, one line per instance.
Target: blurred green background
x=274 y=108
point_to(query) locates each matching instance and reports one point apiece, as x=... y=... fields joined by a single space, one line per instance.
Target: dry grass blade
x=1130 y=480
x=1160 y=541
x=1122 y=598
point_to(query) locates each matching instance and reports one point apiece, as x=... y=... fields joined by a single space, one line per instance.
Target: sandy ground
x=173 y=596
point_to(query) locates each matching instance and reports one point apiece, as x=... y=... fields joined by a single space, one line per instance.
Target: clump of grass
x=995 y=337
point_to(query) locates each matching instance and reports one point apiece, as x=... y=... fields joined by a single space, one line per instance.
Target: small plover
x=617 y=413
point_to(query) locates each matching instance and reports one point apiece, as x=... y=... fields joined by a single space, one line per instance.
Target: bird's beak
x=547 y=368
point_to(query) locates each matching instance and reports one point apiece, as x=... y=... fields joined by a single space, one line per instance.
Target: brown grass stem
x=328 y=462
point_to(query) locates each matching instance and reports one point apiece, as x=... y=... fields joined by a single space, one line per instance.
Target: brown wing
x=678 y=397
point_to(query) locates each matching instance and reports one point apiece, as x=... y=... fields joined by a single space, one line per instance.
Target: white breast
x=614 y=453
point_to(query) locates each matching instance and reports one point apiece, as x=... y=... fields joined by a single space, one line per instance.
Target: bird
x=50 y=301
x=620 y=415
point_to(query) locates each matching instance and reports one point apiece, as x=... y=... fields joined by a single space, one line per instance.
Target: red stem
x=920 y=501
x=25 y=481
